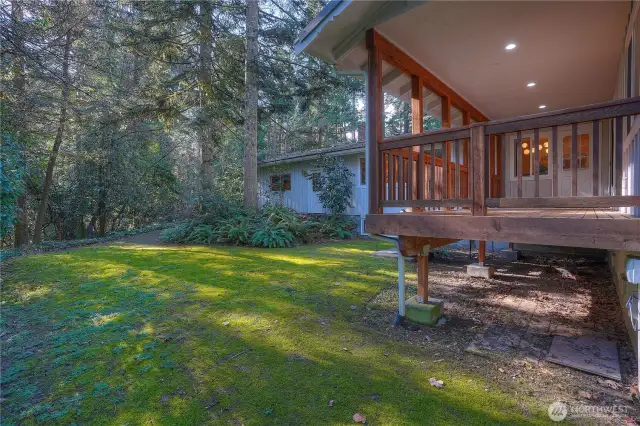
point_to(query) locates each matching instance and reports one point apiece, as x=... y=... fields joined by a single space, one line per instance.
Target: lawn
x=126 y=334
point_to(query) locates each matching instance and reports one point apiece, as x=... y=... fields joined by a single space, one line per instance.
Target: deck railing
x=411 y=171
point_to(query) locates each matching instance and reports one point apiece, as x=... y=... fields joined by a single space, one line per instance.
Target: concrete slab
x=480 y=271
x=592 y=354
x=510 y=254
x=424 y=313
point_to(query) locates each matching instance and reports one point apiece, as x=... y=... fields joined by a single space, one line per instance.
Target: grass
x=125 y=334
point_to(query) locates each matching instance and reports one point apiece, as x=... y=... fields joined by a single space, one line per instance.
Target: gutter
x=326 y=15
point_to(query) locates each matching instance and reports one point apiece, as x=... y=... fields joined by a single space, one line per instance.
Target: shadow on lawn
x=280 y=359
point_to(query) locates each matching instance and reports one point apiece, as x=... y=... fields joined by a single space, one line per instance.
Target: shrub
x=273 y=226
x=179 y=233
x=336 y=185
x=272 y=236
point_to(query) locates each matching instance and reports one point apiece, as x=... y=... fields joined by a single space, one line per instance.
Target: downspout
x=401 y=288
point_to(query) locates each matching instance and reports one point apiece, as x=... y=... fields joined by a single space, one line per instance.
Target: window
x=280 y=182
x=316 y=181
x=583 y=152
x=363 y=171
x=527 y=151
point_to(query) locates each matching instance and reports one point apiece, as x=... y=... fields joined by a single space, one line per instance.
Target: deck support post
x=423 y=275
x=482 y=250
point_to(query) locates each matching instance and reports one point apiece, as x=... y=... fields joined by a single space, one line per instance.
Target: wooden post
x=466 y=120
x=423 y=276
x=596 y=158
x=482 y=247
x=374 y=109
x=446 y=150
x=417 y=126
x=478 y=154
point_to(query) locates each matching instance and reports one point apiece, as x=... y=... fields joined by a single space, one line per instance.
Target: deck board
x=579 y=227
x=545 y=213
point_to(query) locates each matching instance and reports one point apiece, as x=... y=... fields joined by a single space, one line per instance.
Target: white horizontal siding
x=301 y=197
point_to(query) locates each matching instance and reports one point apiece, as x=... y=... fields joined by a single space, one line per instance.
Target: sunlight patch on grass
x=137 y=335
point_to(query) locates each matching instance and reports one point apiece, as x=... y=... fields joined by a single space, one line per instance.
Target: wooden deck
x=590 y=228
x=580 y=213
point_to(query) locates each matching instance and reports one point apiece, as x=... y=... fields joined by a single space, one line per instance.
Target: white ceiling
x=570 y=49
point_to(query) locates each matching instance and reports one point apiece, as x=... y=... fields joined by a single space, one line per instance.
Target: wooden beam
x=617 y=182
x=417 y=126
x=519 y=162
x=611 y=234
x=536 y=162
x=449 y=202
x=596 y=158
x=565 y=202
x=478 y=155
x=600 y=111
x=406 y=63
x=556 y=164
x=445 y=104
x=412 y=246
x=432 y=136
x=574 y=159
x=432 y=172
x=374 y=115
x=482 y=248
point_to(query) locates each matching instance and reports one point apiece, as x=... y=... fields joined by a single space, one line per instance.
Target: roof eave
x=326 y=15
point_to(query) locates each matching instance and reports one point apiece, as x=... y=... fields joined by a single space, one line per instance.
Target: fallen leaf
x=345 y=349
x=630 y=421
x=439 y=360
x=634 y=389
x=331 y=403
x=427 y=338
x=436 y=383
x=501 y=370
x=359 y=418
x=225 y=323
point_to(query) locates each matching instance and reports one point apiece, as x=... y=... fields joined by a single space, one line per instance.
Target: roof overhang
x=570 y=49
x=313 y=155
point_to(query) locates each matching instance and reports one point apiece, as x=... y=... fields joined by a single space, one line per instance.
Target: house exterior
x=292 y=180
x=538 y=103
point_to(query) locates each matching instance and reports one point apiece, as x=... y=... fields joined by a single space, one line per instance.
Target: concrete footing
x=510 y=254
x=480 y=271
x=424 y=313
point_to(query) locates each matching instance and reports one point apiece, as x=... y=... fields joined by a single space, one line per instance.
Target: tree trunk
x=21 y=231
x=37 y=234
x=251 y=109
x=207 y=131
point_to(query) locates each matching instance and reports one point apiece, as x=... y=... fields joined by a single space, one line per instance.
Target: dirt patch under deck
x=539 y=296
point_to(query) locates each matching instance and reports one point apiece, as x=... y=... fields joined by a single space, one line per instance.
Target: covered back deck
x=557 y=178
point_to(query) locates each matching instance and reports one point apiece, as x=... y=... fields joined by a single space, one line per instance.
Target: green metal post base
x=424 y=313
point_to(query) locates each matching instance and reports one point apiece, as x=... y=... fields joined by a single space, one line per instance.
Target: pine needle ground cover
x=128 y=334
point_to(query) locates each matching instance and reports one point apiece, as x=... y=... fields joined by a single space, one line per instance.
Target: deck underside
x=591 y=228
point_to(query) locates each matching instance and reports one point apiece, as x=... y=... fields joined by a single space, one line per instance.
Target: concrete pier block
x=480 y=271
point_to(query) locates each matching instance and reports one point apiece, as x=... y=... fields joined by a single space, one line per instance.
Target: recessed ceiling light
x=542 y=106
x=531 y=84
x=510 y=46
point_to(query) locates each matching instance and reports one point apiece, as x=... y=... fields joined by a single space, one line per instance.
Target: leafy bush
x=336 y=185
x=272 y=236
x=273 y=226
x=179 y=233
